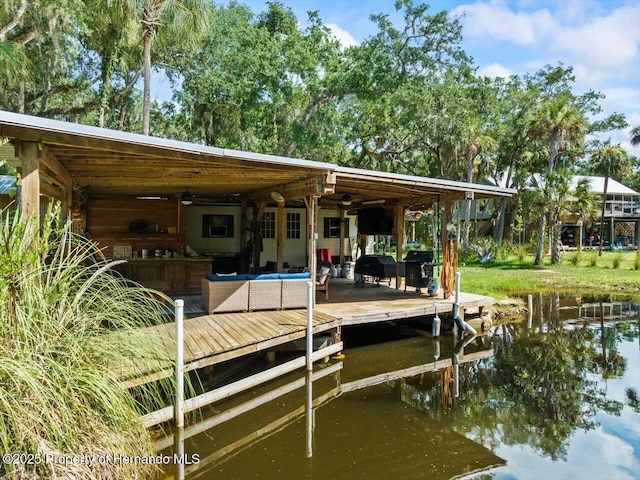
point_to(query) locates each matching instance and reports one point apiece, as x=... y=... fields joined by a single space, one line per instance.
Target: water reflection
x=527 y=393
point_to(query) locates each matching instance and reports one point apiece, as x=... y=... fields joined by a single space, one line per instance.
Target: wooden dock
x=212 y=339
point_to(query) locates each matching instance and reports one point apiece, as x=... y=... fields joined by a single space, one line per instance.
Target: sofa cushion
x=294 y=276
x=267 y=276
x=212 y=277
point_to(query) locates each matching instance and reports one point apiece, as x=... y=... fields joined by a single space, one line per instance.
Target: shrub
x=522 y=253
x=575 y=258
x=69 y=327
x=616 y=261
x=636 y=263
x=506 y=249
x=594 y=259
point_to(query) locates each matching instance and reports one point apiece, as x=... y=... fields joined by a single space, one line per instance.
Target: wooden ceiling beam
x=317 y=185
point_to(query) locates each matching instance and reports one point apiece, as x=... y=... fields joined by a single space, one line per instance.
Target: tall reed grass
x=68 y=324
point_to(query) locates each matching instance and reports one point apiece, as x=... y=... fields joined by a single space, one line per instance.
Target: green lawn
x=503 y=278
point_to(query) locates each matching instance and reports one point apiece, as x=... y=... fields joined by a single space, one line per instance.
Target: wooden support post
x=244 y=236
x=343 y=234
x=280 y=233
x=399 y=233
x=258 y=214
x=30 y=181
x=60 y=176
x=336 y=338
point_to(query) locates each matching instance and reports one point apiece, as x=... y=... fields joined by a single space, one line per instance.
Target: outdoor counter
x=178 y=276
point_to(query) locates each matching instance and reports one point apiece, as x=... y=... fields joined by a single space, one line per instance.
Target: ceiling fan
x=188 y=198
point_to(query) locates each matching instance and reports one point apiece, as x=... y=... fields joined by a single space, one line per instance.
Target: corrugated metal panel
x=6 y=184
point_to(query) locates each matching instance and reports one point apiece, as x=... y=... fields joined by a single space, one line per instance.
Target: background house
x=621 y=217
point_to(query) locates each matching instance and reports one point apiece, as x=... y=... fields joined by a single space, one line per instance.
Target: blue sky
x=600 y=39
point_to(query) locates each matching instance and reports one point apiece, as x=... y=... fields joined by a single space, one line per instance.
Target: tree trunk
x=540 y=249
x=556 y=230
x=604 y=202
x=498 y=229
x=146 y=99
x=21 y=98
x=467 y=223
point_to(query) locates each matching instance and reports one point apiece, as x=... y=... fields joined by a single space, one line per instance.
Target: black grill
x=378 y=266
x=419 y=256
x=418 y=269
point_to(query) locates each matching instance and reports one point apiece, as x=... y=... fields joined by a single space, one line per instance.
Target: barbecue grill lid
x=420 y=256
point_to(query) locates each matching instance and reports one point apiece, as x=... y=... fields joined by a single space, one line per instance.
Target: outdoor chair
x=269 y=267
x=322 y=281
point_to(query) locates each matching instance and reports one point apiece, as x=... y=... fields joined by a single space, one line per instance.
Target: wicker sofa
x=248 y=292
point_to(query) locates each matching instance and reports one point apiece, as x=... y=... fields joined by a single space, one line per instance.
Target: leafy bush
x=69 y=329
x=616 y=261
x=505 y=250
x=594 y=259
x=485 y=249
x=522 y=253
x=575 y=258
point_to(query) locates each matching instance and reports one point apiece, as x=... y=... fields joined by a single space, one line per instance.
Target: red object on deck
x=324 y=255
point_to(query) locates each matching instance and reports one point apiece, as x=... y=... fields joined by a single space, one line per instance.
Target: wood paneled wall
x=108 y=221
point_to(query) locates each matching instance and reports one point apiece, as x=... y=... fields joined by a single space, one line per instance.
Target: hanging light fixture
x=346 y=199
x=277 y=197
x=186 y=198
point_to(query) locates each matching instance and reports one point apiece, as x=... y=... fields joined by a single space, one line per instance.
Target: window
x=293 y=225
x=268 y=228
x=332 y=227
x=217 y=226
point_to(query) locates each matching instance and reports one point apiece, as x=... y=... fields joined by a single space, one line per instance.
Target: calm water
x=552 y=396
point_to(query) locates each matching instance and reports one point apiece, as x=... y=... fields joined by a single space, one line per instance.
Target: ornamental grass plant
x=69 y=325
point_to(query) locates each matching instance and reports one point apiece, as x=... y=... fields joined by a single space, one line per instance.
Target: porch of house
x=211 y=339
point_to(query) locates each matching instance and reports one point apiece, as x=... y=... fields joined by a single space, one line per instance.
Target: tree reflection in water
x=535 y=384
x=542 y=383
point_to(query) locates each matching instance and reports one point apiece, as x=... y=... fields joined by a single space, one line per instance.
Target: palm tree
x=608 y=160
x=635 y=136
x=180 y=19
x=556 y=199
x=558 y=125
x=185 y=18
x=113 y=36
x=478 y=145
x=585 y=204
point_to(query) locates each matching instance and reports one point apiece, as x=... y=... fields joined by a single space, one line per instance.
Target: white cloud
x=495 y=21
x=494 y=70
x=604 y=47
x=344 y=37
x=600 y=46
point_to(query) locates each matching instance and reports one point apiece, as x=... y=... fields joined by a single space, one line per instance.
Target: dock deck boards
x=214 y=338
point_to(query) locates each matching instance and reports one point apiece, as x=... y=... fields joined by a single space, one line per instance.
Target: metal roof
x=112 y=162
x=597 y=186
x=6 y=184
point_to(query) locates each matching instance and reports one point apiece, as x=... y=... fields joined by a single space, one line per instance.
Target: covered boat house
x=184 y=215
x=210 y=209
